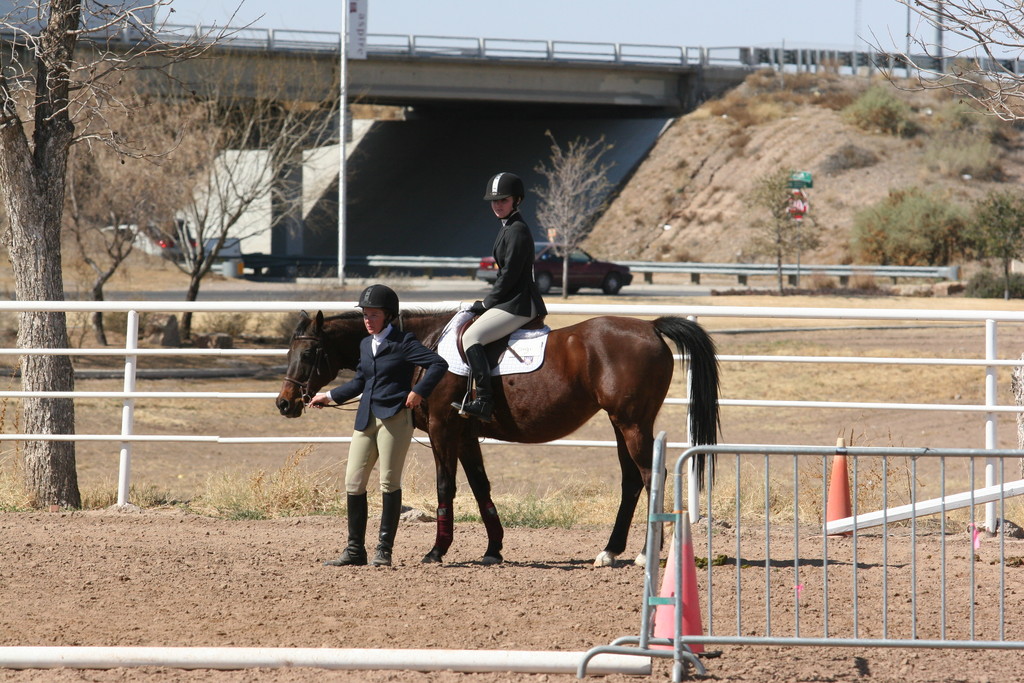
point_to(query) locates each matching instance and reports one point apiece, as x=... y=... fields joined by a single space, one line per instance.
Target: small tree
x=998 y=230
x=577 y=184
x=113 y=202
x=244 y=154
x=779 y=234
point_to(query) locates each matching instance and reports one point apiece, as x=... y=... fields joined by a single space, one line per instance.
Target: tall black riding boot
x=392 y=510
x=355 y=553
x=482 y=406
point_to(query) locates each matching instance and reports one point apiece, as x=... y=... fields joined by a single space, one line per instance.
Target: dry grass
x=290 y=490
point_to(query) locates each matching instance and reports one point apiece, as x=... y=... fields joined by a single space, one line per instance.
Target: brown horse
x=620 y=365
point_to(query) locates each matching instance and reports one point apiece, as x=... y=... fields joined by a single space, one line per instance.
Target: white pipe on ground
x=230 y=658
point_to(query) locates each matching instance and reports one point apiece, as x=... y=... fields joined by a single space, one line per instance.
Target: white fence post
x=990 y=419
x=131 y=343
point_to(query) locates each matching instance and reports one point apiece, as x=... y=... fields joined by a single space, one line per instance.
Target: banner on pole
x=357 y=25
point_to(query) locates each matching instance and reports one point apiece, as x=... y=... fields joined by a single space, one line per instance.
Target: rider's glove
x=477 y=308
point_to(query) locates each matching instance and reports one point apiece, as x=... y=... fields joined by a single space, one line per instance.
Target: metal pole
x=908 y=35
x=342 y=125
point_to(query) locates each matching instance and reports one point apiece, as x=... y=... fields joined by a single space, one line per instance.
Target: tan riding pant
x=492 y=324
x=387 y=440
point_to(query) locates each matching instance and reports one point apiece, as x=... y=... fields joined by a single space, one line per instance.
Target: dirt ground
x=168 y=577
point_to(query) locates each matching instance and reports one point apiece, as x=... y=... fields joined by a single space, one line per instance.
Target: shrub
x=909 y=228
x=848 y=157
x=233 y=324
x=964 y=153
x=880 y=111
x=987 y=284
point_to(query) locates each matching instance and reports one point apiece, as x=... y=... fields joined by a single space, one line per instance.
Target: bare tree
x=61 y=77
x=577 y=186
x=989 y=36
x=245 y=154
x=114 y=203
x=777 y=235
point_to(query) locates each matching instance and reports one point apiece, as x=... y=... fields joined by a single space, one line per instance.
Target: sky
x=838 y=24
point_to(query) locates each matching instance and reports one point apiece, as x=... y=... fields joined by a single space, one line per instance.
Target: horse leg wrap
x=445 y=529
x=495 y=532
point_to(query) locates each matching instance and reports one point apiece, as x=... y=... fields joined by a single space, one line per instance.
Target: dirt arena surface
x=168 y=578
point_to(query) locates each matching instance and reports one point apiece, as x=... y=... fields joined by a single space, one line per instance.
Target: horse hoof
x=433 y=557
x=492 y=559
x=605 y=559
x=641 y=560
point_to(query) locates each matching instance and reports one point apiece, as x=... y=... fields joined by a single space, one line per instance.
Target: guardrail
x=792 y=271
x=428 y=265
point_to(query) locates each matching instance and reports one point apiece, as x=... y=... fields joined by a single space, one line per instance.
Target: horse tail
x=689 y=337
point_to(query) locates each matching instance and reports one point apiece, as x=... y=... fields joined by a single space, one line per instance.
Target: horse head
x=309 y=366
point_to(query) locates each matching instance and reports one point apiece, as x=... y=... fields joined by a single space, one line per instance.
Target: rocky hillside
x=690 y=199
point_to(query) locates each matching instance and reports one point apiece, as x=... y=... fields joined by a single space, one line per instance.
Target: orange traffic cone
x=664 y=615
x=838 y=506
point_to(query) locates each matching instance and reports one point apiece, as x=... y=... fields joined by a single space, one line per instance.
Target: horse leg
x=473 y=465
x=445 y=464
x=634 y=480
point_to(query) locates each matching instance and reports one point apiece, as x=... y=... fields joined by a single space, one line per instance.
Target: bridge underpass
x=416 y=187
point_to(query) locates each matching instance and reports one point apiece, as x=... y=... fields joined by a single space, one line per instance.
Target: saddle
x=497 y=347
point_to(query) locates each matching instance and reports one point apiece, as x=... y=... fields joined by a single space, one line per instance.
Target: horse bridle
x=319 y=358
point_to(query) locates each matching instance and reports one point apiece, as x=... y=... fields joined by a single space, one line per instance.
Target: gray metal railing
x=428 y=265
x=791 y=271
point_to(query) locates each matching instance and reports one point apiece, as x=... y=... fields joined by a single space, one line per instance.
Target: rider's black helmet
x=380 y=296
x=505 y=185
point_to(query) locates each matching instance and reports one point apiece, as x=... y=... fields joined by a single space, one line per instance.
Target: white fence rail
x=989 y=411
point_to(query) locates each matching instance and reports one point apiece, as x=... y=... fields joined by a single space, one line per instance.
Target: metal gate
x=932 y=578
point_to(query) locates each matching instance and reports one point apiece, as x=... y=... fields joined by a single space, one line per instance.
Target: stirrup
x=461 y=407
x=483 y=417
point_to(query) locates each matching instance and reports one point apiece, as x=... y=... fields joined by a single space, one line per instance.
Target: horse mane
x=426 y=325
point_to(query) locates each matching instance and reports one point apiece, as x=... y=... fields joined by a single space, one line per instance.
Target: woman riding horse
x=514 y=299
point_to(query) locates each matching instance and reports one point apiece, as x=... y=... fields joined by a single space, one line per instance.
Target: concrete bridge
x=444 y=72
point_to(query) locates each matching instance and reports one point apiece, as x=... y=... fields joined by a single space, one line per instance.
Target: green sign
x=800 y=179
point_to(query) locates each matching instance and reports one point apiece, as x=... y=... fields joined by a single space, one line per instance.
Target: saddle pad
x=529 y=344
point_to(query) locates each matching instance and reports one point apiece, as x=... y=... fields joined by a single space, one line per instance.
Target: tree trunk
x=32 y=178
x=34 y=238
x=1006 y=279
x=97 y=317
x=191 y=295
x=778 y=265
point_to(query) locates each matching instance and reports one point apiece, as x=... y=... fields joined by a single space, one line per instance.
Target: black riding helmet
x=505 y=185
x=380 y=296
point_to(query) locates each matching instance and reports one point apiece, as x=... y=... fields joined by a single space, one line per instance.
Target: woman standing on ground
x=383 y=427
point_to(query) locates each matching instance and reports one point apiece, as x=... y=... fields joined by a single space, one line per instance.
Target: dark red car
x=584 y=271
